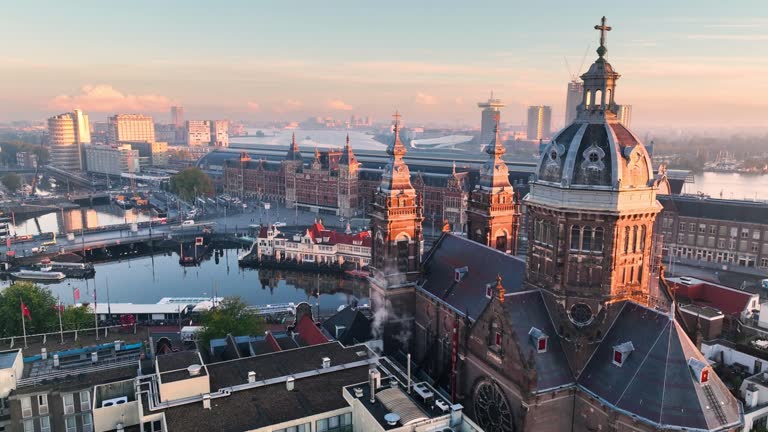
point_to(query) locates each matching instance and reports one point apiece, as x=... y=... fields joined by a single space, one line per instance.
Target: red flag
x=198 y=241
x=77 y=294
x=25 y=311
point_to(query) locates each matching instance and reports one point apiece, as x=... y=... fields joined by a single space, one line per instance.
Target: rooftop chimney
x=326 y=362
x=207 y=401
x=289 y=383
x=55 y=360
x=119 y=427
x=358 y=392
x=43 y=353
x=251 y=377
x=372 y=384
x=409 y=373
x=94 y=357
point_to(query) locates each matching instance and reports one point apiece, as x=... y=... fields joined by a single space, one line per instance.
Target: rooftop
x=716 y=209
x=7 y=358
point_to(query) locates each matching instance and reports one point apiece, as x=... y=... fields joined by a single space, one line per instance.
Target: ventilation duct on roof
x=251 y=377
x=290 y=384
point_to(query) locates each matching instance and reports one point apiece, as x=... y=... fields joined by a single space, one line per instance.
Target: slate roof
x=716 y=209
x=452 y=252
x=527 y=310
x=357 y=327
x=655 y=381
x=177 y=360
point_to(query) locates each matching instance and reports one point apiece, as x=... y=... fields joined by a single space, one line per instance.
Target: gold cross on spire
x=603 y=28
x=397 y=116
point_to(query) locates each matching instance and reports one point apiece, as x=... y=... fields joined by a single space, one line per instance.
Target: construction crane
x=575 y=76
x=32 y=192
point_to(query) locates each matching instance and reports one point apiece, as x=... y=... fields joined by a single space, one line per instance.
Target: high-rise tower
x=491 y=214
x=396 y=218
x=491 y=111
x=573 y=99
x=591 y=211
x=539 y=122
x=66 y=134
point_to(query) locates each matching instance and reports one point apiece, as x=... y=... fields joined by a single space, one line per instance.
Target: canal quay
x=147 y=279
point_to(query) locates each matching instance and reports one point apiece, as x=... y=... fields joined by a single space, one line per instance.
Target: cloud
x=730 y=37
x=425 y=99
x=288 y=105
x=337 y=104
x=253 y=106
x=105 y=98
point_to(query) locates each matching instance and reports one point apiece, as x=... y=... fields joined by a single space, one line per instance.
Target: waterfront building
x=220 y=133
x=198 y=133
x=624 y=114
x=109 y=160
x=587 y=323
x=539 y=122
x=715 y=233
x=489 y=119
x=150 y=153
x=316 y=245
x=573 y=99
x=66 y=134
x=130 y=127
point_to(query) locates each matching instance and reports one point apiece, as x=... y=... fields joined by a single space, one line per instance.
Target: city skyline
x=277 y=63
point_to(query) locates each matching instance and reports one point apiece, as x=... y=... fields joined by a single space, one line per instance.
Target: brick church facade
x=583 y=335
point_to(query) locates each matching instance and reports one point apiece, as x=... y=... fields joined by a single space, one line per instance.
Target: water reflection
x=148 y=279
x=73 y=220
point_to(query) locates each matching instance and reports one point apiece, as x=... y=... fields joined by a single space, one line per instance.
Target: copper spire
x=397 y=148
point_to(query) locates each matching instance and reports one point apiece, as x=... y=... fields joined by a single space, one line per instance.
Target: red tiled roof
x=317 y=232
x=309 y=332
x=730 y=301
x=273 y=342
x=263 y=232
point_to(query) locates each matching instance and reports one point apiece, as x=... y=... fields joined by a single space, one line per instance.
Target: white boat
x=38 y=275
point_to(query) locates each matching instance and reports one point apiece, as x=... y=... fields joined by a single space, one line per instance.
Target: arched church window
x=642 y=238
x=598 y=100
x=491 y=407
x=550 y=233
x=587 y=240
x=608 y=95
x=598 y=243
x=640 y=273
x=635 y=241
x=626 y=239
x=588 y=100
x=575 y=237
x=537 y=225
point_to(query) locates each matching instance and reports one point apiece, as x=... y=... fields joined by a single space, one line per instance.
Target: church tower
x=492 y=217
x=348 y=170
x=292 y=164
x=591 y=211
x=396 y=218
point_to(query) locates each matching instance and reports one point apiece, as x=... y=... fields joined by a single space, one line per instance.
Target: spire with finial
x=293 y=151
x=500 y=291
x=347 y=157
x=494 y=173
x=396 y=174
x=601 y=50
x=496 y=147
x=453 y=171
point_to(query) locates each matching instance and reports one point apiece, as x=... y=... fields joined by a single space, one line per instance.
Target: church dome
x=596 y=151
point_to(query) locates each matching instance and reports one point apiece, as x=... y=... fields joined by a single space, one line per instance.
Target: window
x=680 y=238
x=498 y=339
x=70 y=423
x=341 y=423
x=45 y=424
x=42 y=404
x=626 y=239
x=744 y=233
x=734 y=231
x=155 y=426
x=641 y=241
x=85 y=401
x=681 y=227
x=29 y=425
x=755 y=247
x=764 y=262
x=26 y=407
x=575 y=237
x=692 y=227
x=69 y=403
x=598 y=246
x=702 y=228
x=88 y=422
x=587 y=240
x=721 y=243
x=713 y=229
x=755 y=235
x=299 y=428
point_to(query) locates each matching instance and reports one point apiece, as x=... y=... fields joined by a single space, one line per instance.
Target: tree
x=77 y=317
x=231 y=316
x=191 y=182
x=12 y=182
x=39 y=301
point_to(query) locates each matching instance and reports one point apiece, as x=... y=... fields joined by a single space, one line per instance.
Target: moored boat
x=38 y=275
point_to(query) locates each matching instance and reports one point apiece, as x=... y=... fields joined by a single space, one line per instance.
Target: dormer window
x=621 y=352
x=488 y=291
x=699 y=369
x=459 y=273
x=539 y=339
x=498 y=339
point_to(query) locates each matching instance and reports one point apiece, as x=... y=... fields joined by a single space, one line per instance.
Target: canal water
x=148 y=279
x=730 y=186
x=74 y=220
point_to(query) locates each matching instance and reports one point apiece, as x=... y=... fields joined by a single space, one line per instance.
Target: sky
x=687 y=63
